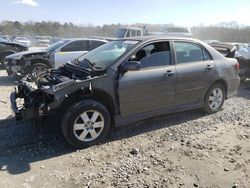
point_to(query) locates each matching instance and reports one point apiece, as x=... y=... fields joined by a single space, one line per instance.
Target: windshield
x=57 y=45
x=120 y=33
x=105 y=55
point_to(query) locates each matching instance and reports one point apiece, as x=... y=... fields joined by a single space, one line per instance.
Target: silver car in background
x=35 y=62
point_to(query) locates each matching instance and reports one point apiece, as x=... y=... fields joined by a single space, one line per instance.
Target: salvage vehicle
x=226 y=49
x=8 y=48
x=125 y=32
x=22 y=40
x=35 y=62
x=232 y=50
x=177 y=31
x=128 y=80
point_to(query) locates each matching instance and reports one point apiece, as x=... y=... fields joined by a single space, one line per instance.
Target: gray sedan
x=127 y=80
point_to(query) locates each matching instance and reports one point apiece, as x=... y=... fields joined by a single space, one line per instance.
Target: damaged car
x=128 y=80
x=233 y=50
x=35 y=62
x=226 y=49
x=8 y=48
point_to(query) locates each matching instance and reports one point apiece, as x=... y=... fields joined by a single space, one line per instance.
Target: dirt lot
x=188 y=149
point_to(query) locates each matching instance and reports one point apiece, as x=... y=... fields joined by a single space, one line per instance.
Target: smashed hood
x=27 y=53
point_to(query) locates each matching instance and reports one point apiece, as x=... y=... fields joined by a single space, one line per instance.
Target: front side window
x=189 y=52
x=57 y=45
x=76 y=46
x=153 y=55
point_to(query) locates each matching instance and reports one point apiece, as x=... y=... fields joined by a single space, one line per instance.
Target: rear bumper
x=233 y=86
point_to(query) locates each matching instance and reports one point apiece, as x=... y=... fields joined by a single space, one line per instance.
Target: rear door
x=71 y=51
x=195 y=71
x=153 y=86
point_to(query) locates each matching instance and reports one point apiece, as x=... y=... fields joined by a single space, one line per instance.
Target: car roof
x=152 y=38
x=86 y=38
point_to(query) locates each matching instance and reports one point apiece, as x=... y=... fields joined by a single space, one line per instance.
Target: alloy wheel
x=215 y=99
x=39 y=69
x=88 y=125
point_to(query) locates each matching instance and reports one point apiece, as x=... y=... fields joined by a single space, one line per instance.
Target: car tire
x=86 y=123
x=214 y=98
x=38 y=68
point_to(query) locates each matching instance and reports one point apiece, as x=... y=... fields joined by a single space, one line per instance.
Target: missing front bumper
x=21 y=113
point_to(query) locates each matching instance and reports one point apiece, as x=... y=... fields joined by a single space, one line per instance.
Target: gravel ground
x=188 y=149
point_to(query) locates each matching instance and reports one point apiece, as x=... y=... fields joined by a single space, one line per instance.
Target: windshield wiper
x=89 y=62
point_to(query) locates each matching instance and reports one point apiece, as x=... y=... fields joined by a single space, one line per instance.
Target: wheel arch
x=223 y=83
x=9 y=52
x=34 y=61
x=96 y=94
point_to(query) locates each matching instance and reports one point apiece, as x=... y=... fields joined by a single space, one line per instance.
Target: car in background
x=41 y=41
x=54 y=56
x=2 y=40
x=239 y=51
x=6 y=38
x=22 y=40
x=177 y=31
x=8 y=48
x=226 y=49
x=128 y=80
x=125 y=32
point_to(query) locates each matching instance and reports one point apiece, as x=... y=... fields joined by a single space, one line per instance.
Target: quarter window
x=190 y=52
x=153 y=55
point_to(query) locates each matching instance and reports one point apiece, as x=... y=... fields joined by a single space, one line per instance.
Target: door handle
x=169 y=73
x=209 y=67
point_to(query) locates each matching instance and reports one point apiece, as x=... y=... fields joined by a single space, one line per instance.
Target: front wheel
x=38 y=68
x=214 y=98
x=86 y=123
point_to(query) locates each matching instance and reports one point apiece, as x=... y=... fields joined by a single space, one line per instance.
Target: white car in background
x=243 y=50
x=56 y=55
x=22 y=40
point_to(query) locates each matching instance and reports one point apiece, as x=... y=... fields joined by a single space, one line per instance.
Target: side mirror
x=131 y=66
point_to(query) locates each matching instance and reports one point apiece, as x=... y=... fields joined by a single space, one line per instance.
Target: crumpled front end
x=13 y=66
x=28 y=102
x=41 y=96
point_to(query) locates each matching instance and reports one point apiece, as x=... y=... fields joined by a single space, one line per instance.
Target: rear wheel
x=38 y=68
x=86 y=123
x=214 y=98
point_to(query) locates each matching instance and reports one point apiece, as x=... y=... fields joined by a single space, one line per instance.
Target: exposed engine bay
x=39 y=94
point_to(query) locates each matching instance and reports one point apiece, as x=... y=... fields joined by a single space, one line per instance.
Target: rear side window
x=190 y=52
x=94 y=44
x=82 y=45
x=153 y=55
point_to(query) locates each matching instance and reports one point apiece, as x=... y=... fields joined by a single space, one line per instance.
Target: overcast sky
x=99 y=12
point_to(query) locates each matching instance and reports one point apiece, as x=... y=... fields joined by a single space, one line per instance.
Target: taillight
x=237 y=66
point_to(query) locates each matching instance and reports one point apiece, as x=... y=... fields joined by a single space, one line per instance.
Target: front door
x=153 y=86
